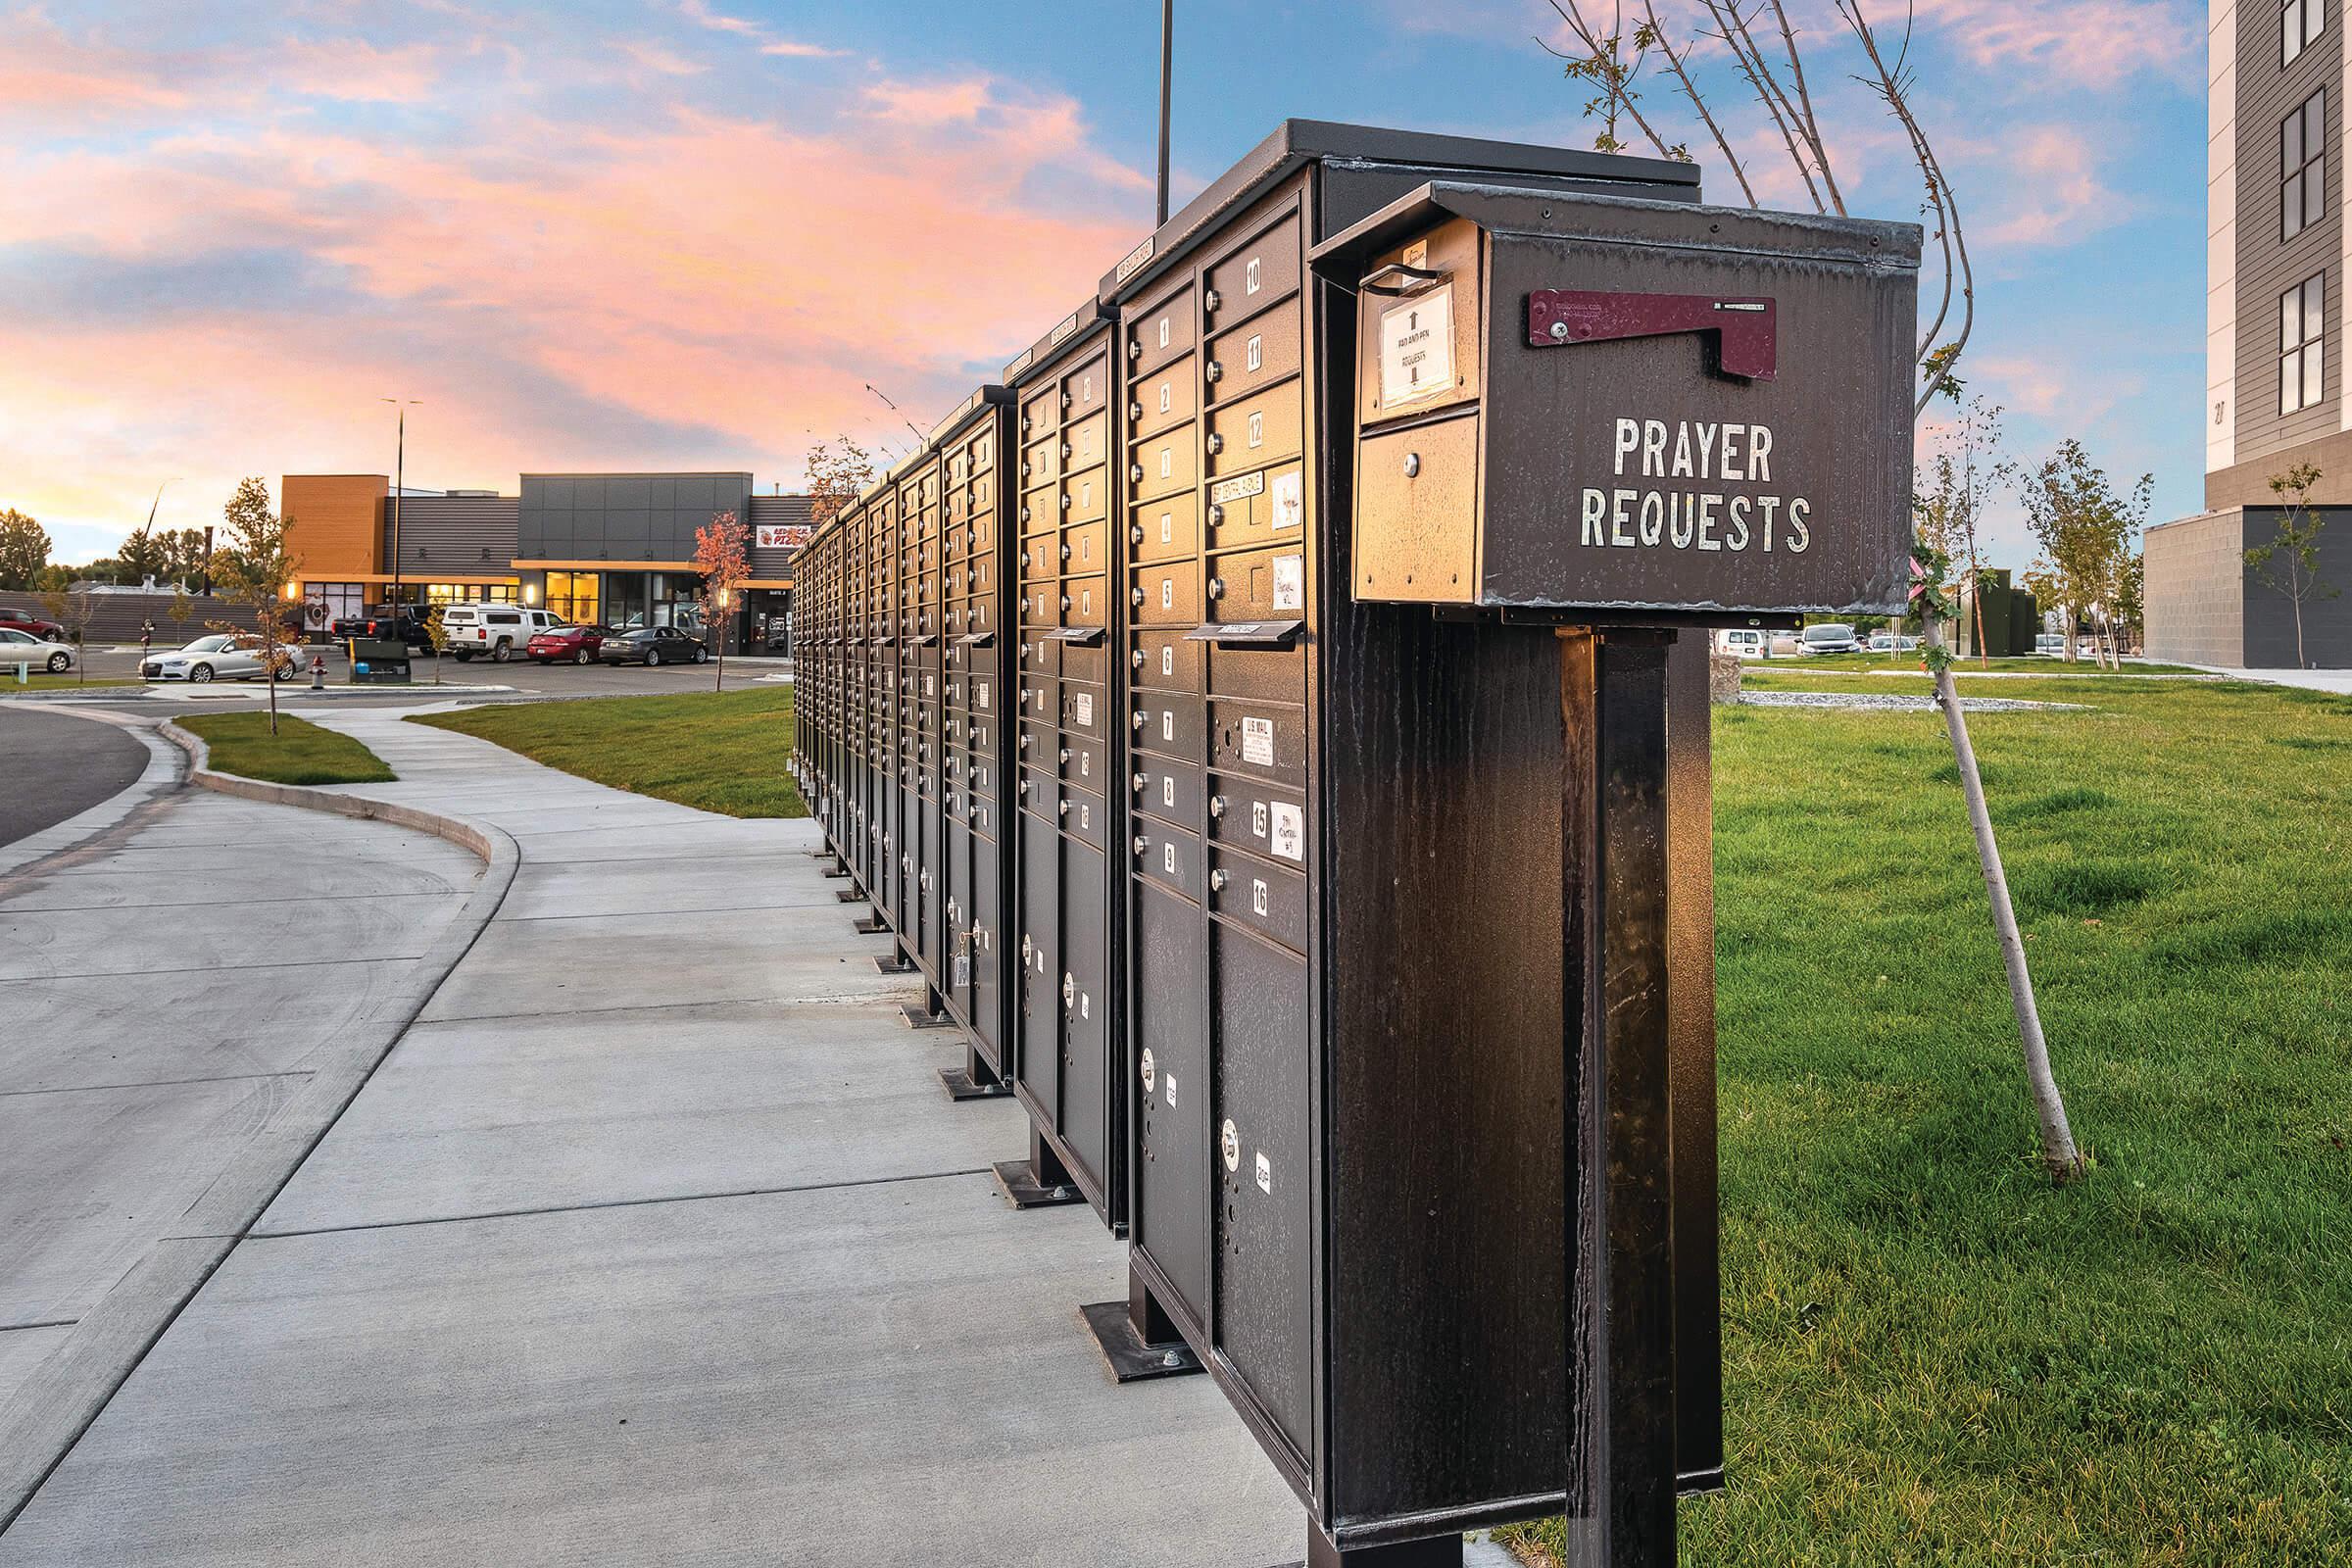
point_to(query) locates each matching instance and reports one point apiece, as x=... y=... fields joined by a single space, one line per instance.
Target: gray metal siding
x=622 y=518
x=770 y=512
x=468 y=536
x=2270 y=616
x=2268 y=266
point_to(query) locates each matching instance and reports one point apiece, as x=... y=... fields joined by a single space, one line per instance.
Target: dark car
x=652 y=645
x=386 y=625
x=571 y=645
x=26 y=620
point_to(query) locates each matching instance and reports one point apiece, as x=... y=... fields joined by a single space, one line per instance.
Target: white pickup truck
x=498 y=632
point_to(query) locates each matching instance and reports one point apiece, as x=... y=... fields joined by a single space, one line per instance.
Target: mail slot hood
x=1641 y=410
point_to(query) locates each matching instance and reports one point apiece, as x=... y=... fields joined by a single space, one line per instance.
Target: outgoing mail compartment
x=1165 y=786
x=1255 y=274
x=1269 y=901
x=1165 y=529
x=1089 y=662
x=1161 y=400
x=1259 y=585
x=1168 y=855
x=1168 y=722
x=1255 y=432
x=1165 y=463
x=1166 y=595
x=1164 y=659
x=1157 y=332
x=1260 y=351
x=1275 y=674
x=1260 y=739
x=1085 y=498
x=1086 y=549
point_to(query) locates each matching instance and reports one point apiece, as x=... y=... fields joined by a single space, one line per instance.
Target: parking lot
x=530 y=682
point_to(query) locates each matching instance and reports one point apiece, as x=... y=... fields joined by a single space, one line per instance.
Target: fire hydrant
x=317 y=672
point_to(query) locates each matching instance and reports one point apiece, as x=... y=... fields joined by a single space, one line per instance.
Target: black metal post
x=1621 y=1477
x=1167 y=45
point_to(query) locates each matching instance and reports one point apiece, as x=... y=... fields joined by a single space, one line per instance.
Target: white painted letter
x=1629 y=436
x=1596 y=506
x=1759 y=453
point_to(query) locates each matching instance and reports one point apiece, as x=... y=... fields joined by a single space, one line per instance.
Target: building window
x=2303 y=161
x=2302 y=324
x=2301 y=21
x=571 y=596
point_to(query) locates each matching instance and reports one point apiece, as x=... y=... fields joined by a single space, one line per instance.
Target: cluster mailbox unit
x=1336 y=892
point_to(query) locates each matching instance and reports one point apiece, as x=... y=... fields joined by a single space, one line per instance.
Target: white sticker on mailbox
x=1086 y=711
x=1286 y=500
x=1169 y=1079
x=1290 y=832
x=1289 y=582
x=1265 y=1175
x=1416 y=347
x=964 y=972
x=1257 y=741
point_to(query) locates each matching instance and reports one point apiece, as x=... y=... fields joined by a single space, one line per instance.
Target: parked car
x=2049 y=642
x=497 y=632
x=1744 y=642
x=1785 y=645
x=572 y=645
x=652 y=645
x=1888 y=642
x=48 y=653
x=222 y=656
x=25 y=620
x=1829 y=638
x=385 y=622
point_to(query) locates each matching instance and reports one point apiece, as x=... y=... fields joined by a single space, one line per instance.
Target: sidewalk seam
x=47 y=1417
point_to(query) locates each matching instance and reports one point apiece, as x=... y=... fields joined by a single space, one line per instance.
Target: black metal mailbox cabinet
x=971 y=877
x=1071 y=1078
x=1347 y=1177
x=873 y=528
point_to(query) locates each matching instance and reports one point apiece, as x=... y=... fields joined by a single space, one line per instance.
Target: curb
x=47 y=1416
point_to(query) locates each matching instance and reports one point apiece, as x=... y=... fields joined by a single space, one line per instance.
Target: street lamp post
x=400 y=482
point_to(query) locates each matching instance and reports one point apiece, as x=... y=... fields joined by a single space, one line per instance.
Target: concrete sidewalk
x=655 y=1240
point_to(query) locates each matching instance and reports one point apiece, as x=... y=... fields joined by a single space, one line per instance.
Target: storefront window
x=677 y=600
x=624 y=598
x=573 y=596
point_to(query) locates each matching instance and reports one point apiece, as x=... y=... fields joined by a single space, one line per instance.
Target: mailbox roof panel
x=1618 y=219
x=1074 y=327
x=962 y=412
x=1296 y=143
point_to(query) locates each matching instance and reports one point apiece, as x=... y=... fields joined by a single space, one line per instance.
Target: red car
x=578 y=644
x=26 y=620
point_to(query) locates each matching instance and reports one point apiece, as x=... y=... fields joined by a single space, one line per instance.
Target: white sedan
x=23 y=648
x=223 y=656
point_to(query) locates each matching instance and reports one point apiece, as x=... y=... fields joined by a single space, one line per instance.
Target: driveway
x=53 y=765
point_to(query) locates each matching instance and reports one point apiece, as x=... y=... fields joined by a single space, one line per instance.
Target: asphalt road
x=53 y=765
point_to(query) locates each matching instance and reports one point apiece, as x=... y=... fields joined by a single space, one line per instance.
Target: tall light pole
x=400 y=482
x=1167 y=37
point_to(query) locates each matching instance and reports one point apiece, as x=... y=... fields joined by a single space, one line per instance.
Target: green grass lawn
x=1934 y=1356
x=2033 y=663
x=299 y=753
x=719 y=751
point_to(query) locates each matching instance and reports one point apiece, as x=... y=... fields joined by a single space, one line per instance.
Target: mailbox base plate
x=873 y=925
x=962 y=1086
x=1131 y=1359
x=1021 y=1183
x=917 y=1018
x=850 y=896
x=895 y=961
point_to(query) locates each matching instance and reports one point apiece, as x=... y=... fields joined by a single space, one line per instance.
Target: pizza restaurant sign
x=782 y=536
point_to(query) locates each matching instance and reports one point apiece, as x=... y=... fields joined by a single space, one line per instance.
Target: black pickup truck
x=386 y=623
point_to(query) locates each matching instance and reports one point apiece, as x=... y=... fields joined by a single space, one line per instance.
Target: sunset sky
x=687 y=233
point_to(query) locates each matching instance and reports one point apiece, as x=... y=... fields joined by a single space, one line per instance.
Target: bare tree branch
x=1674 y=62
x=1733 y=33
x=1804 y=97
x=1616 y=79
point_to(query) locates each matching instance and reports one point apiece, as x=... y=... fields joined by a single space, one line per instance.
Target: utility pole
x=1167 y=35
x=400 y=482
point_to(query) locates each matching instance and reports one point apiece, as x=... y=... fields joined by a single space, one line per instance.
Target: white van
x=1744 y=642
x=499 y=632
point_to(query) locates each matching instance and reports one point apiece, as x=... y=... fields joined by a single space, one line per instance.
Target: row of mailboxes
x=1353 y=865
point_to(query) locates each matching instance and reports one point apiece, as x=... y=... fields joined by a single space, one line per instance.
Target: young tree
x=1948 y=497
x=436 y=635
x=838 y=473
x=255 y=571
x=23 y=550
x=718 y=555
x=71 y=607
x=1771 y=71
x=180 y=610
x=2087 y=530
x=2289 y=564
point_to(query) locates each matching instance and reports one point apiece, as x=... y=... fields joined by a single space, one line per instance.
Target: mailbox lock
x=1065 y=506
x=1139 y=780
x=1024 y=739
x=1216 y=371
x=1137 y=594
x=1412 y=464
x=1216 y=513
x=1135 y=535
x=1135 y=472
x=1216 y=444
x=1135 y=348
x=1065 y=446
x=1065 y=808
x=1135 y=411
x=1217 y=806
x=1217 y=881
x=1229 y=1143
x=1151 y=1072
x=1216 y=587
x=1139 y=718
x=1065 y=754
x=1141 y=844
x=1024 y=786
x=1211 y=301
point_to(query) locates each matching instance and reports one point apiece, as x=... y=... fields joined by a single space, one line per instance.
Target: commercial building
x=2277 y=257
x=610 y=549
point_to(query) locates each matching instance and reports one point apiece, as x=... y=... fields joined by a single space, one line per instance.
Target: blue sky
x=690 y=232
